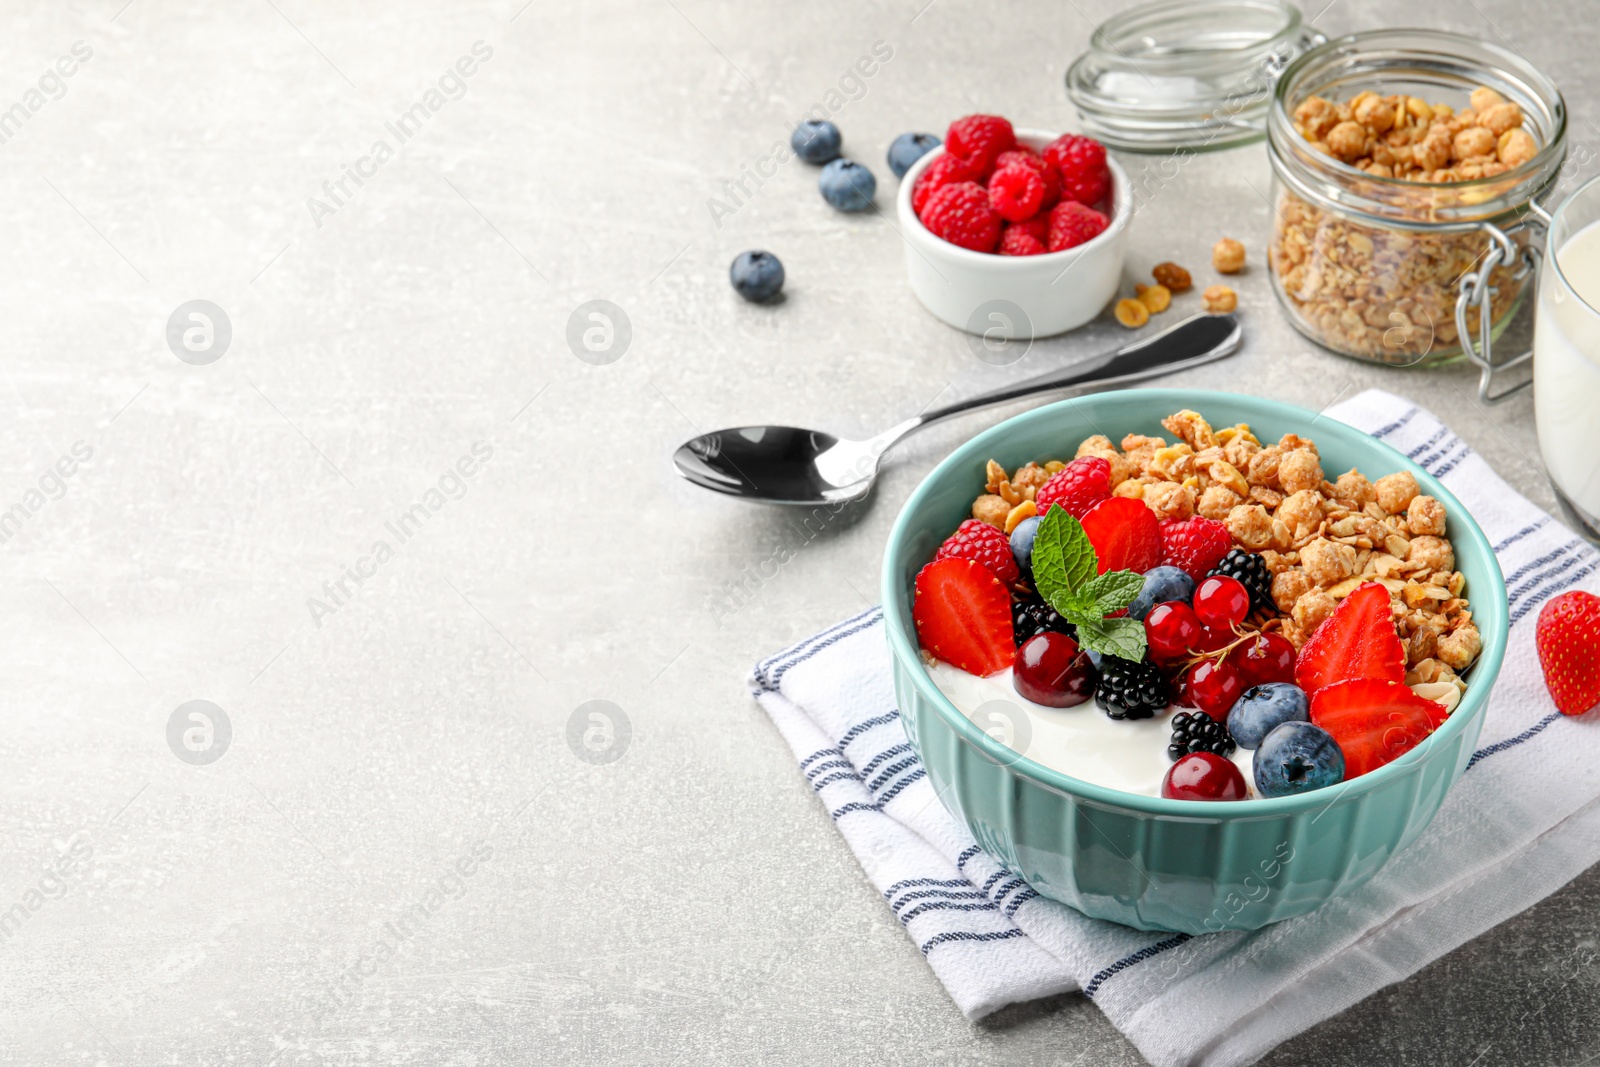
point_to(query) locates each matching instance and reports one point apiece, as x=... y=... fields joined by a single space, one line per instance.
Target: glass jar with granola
x=1406 y=165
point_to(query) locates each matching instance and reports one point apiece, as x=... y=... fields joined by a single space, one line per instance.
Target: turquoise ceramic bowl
x=1144 y=861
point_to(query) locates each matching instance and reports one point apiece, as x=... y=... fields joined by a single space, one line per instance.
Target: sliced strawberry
x=1358 y=640
x=1567 y=640
x=1125 y=534
x=1374 y=721
x=963 y=616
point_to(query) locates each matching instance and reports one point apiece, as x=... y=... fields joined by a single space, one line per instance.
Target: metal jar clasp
x=1475 y=291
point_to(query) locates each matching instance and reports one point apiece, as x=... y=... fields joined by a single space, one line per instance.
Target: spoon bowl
x=778 y=465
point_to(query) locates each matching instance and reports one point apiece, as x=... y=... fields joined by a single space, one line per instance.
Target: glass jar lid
x=1194 y=74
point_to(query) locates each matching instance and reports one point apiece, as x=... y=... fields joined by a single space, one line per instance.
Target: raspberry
x=1017 y=241
x=1016 y=192
x=1081 y=163
x=1037 y=227
x=961 y=214
x=1071 y=224
x=946 y=170
x=1080 y=486
x=1195 y=545
x=982 y=544
x=980 y=138
x=1027 y=157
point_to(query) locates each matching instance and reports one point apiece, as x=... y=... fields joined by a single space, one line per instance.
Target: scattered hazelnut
x=1219 y=298
x=1227 y=255
x=1155 y=297
x=1172 y=276
x=1132 y=313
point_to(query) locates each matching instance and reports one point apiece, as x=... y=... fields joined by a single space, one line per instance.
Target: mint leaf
x=1063 y=563
x=1123 y=638
x=1114 y=590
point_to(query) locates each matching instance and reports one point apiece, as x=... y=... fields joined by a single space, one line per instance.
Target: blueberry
x=1022 y=543
x=1161 y=584
x=1261 y=708
x=757 y=276
x=847 y=185
x=1297 y=757
x=907 y=149
x=816 y=141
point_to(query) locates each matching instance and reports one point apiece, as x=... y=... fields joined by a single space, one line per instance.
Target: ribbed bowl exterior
x=1147 y=862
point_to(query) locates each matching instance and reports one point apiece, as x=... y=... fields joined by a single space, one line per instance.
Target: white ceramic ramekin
x=1055 y=292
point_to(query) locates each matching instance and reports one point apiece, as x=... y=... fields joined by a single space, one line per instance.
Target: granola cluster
x=1390 y=294
x=1406 y=137
x=1320 y=539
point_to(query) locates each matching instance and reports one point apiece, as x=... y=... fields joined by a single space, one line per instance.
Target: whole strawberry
x=1079 y=486
x=985 y=545
x=1194 y=545
x=1568 y=640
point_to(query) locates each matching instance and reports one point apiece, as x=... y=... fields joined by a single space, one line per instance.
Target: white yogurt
x=1082 y=742
x=1566 y=371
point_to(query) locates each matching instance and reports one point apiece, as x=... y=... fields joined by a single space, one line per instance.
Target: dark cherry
x=1050 y=669
x=1221 y=602
x=1264 y=658
x=1213 y=686
x=1171 y=630
x=1204 y=776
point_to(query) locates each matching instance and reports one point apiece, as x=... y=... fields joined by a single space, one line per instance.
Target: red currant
x=1204 y=776
x=1221 y=602
x=1171 y=629
x=1264 y=658
x=1049 y=669
x=1213 y=686
x=1211 y=639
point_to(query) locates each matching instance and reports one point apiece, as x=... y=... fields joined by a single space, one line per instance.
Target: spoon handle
x=1196 y=340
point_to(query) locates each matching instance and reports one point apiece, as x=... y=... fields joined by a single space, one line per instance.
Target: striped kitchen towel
x=1522 y=822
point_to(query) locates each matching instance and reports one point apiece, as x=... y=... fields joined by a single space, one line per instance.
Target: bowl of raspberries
x=1014 y=233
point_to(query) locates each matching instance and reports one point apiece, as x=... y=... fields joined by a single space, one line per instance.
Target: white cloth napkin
x=1522 y=822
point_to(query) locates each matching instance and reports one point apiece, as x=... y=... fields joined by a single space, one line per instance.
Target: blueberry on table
x=816 y=141
x=1262 y=708
x=757 y=276
x=1297 y=757
x=847 y=185
x=907 y=149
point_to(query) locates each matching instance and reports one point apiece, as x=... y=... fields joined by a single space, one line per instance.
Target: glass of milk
x=1566 y=357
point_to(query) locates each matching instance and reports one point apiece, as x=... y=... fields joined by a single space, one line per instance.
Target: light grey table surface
x=690 y=901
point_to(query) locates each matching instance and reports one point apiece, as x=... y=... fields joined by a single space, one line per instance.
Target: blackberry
x=1131 y=690
x=1195 y=731
x=1251 y=571
x=1032 y=616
